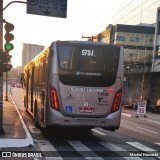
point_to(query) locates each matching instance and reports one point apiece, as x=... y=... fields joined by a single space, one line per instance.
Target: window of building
x=158 y=51
x=120 y=38
x=131 y=55
x=151 y=40
x=134 y=39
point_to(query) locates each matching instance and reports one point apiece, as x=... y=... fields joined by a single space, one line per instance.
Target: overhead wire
x=130 y=12
x=126 y=14
x=140 y=12
x=113 y=15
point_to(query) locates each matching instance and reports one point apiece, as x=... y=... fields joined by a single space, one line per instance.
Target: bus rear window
x=89 y=60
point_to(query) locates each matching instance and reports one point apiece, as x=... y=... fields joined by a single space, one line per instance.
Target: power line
x=129 y=12
x=140 y=12
x=113 y=16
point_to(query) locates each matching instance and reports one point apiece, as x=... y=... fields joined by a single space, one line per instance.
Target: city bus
x=75 y=84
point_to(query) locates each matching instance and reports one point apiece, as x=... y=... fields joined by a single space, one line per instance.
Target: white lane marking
x=118 y=150
x=46 y=146
x=141 y=146
x=157 y=143
x=18 y=142
x=84 y=150
x=146 y=130
x=153 y=121
x=24 y=126
x=98 y=132
x=126 y=114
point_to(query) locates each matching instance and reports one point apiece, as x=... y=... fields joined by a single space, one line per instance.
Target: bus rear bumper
x=111 y=122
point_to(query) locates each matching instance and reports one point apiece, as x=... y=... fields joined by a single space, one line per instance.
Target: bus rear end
x=87 y=90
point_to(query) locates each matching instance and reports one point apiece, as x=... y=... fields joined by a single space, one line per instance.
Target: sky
x=84 y=18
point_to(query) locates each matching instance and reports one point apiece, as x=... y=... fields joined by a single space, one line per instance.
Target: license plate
x=85 y=110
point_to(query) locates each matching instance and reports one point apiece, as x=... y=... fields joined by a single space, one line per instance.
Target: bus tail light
x=54 y=98
x=117 y=100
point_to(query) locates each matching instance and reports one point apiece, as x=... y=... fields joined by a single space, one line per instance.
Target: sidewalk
x=16 y=132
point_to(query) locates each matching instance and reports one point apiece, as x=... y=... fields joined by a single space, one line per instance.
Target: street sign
x=53 y=8
x=141 y=109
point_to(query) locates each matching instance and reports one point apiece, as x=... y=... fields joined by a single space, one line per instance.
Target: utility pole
x=6 y=99
x=1 y=72
x=143 y=74
x=90 y=38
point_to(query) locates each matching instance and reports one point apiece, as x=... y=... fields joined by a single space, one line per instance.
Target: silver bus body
x=77 y=84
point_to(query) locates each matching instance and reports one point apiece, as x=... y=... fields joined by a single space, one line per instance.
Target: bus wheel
x=36 y=117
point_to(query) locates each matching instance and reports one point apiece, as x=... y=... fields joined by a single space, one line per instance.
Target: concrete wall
x=150 y=82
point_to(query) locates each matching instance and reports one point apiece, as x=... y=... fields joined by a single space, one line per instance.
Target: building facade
x=137 y=41
x=29 y=52
x=156 y=51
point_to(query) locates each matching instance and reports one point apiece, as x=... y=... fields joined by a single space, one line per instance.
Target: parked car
x=128 y=106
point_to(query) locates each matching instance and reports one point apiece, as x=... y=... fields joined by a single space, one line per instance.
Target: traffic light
x=4 y=59
x=8 y=36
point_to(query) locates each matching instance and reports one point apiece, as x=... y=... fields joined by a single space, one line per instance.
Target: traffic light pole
x=1 y=72
x=6 y=99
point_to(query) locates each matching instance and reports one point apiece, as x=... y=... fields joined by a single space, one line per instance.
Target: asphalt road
x=140 y=128
x=135 y=137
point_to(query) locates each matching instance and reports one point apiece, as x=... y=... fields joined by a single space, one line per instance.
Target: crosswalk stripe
x=141 y=146
x=118 y=150
x=46 y=146
x=80 y=147
x=98 y=132
x=111 y=146
x=157 y=143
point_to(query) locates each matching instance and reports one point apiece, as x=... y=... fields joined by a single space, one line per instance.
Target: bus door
x=30 y=83
x=43 y=93
x=27 y=89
